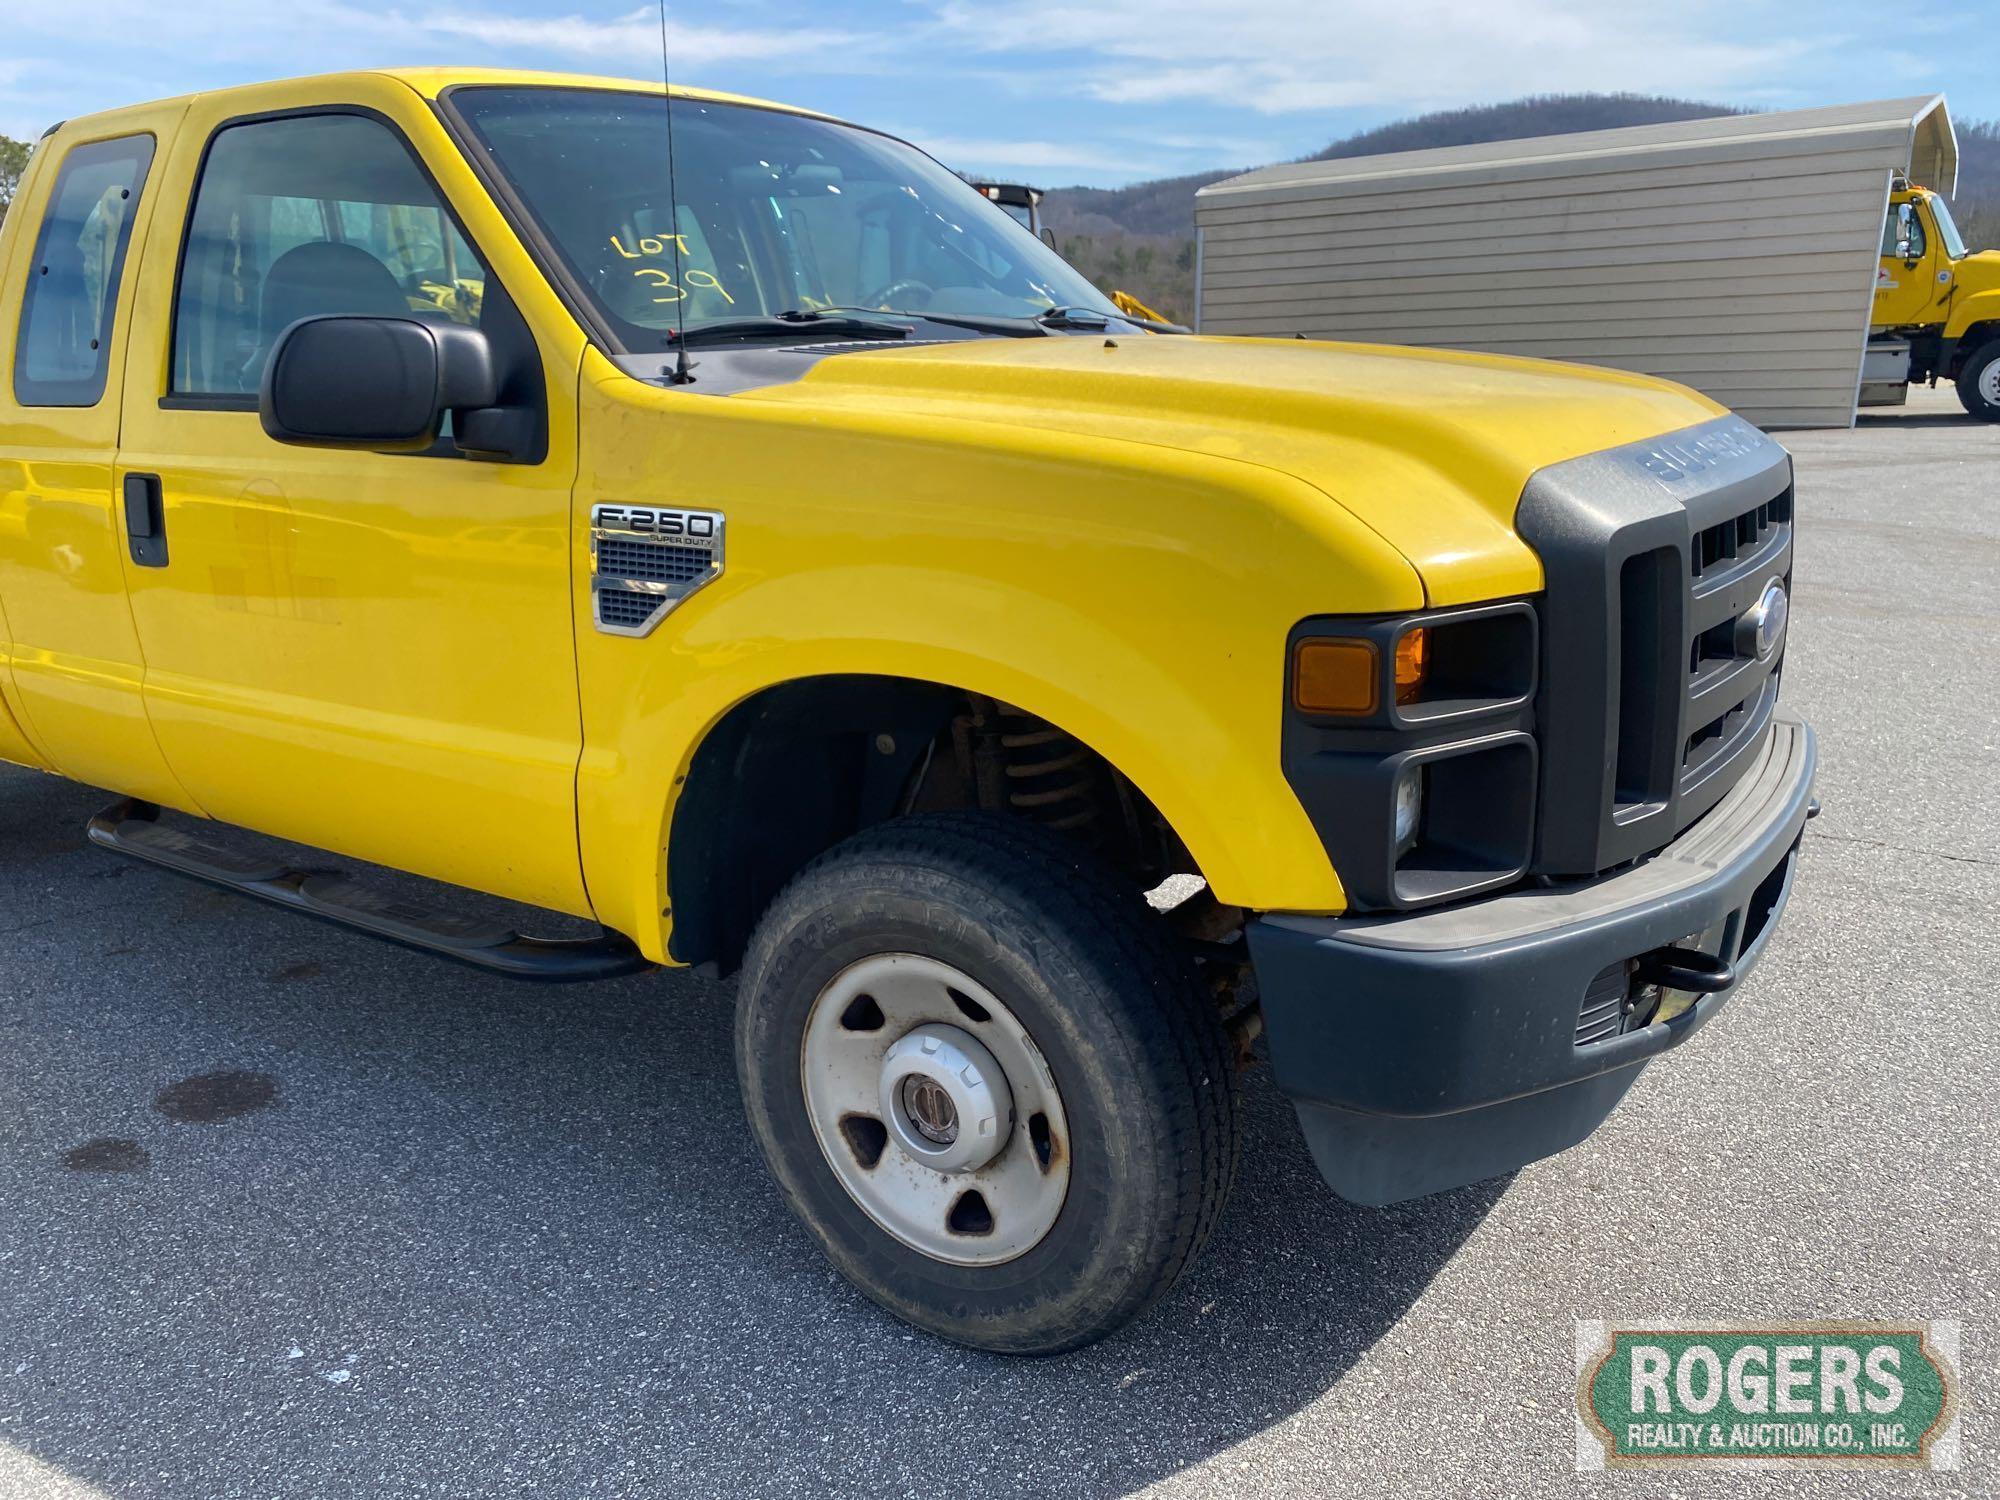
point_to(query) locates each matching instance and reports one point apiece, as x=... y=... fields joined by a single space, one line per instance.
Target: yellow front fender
x=1136 y=596
x=1968 y=313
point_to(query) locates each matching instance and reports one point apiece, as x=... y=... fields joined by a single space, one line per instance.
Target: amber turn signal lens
x=1413 y=660
x=1335 y=677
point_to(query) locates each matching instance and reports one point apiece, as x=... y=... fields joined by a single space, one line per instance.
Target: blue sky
x=1050 y=91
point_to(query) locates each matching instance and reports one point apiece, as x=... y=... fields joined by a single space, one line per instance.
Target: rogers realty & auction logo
x=1862 y=1395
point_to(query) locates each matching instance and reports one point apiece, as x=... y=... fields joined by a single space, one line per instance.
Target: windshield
x=1954 y=242
x=777 y=213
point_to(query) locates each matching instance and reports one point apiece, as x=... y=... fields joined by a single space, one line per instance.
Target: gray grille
x=617 y=607
x=1647 y=714
x=650 y=562
x=1741 y=536
x=1729 y=698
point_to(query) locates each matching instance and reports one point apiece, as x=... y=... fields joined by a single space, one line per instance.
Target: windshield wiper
x=1031 y=325
x=1077 y=317
x=1012 y=327
x=871 y=322
x=1020 y=325
x=1091 y=320
x=796 y=321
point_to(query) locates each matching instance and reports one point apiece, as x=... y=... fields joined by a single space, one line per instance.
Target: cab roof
x=432 y=81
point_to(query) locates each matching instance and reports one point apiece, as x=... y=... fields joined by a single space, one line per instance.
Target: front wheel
x=1979 y=382
x=986 y=1078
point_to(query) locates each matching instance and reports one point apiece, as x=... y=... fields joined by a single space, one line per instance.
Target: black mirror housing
x=377 y=383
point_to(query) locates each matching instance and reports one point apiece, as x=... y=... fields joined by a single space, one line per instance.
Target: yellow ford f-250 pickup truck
x=775 y=555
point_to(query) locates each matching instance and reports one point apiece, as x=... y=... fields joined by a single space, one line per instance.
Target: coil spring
x=1050 y=777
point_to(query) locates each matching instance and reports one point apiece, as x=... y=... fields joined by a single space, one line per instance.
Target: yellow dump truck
x=1937 y=309
x=1024 y=205
x=806 y=576
x=1021 y=203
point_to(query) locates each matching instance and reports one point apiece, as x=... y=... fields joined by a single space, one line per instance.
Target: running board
x=134 y=828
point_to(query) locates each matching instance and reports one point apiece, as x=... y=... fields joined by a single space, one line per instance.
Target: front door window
x=304 y=217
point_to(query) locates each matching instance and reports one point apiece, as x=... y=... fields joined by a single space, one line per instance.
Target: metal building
x=1735 y=254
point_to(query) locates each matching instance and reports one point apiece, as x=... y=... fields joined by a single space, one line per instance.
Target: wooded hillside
x=1140 y=239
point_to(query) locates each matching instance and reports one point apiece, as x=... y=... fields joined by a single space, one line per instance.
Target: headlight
x=1409 y=740
x=1409 y=805
x=1342 y=675
x=1413 y=663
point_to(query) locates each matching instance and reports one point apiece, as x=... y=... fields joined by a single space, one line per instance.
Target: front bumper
x=1423 y=1052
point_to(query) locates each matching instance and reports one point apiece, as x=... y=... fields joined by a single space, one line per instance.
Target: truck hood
x=1978 y=272
x=1428 y=448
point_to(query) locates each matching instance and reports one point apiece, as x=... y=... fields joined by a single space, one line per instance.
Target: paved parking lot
x=430 y=1233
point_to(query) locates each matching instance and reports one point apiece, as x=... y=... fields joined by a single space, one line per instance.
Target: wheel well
x=1976 y=337
x=792 y=771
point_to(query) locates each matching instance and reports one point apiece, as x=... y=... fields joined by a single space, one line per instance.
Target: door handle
x=146 y=520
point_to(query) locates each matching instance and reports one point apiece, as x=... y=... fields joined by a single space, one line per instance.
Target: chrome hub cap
x=935 y=1109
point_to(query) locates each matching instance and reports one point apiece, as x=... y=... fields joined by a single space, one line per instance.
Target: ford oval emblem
x=1762 y=628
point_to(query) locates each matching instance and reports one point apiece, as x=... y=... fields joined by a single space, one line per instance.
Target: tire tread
x=1055 y=886
x=1969 y=397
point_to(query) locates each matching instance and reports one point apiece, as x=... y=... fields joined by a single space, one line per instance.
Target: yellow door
x=65 y=321
x=1906 y=282
x=371 y=653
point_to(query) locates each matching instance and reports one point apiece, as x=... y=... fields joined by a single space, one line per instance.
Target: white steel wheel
x=1979 y=382
x=987 y=1079
x=935 y=1109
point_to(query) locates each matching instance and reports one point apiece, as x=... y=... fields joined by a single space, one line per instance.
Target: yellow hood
x=1428 y=448
x=1977 y=272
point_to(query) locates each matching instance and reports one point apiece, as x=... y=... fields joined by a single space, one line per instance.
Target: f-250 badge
x=646 y=559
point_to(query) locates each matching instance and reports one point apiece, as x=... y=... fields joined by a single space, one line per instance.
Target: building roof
x=1919 y=127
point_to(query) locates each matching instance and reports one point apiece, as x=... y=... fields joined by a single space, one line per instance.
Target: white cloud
x=321 y=30
x=634 y=38
x=1283 y=56
x=335 y=34
x=1211 y=147
x=971 y=154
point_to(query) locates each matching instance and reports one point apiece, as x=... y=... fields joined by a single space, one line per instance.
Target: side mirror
x=378 y=383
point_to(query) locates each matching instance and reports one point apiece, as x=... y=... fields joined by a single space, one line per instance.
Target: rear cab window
x=62 y=354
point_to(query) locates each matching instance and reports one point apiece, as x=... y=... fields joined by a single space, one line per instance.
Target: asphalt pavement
x=288 y=1212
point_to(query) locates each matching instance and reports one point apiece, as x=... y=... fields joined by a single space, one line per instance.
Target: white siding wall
x=1744 y=268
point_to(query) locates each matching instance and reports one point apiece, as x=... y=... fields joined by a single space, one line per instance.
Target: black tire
x=1112 y=1001
x=1979 y=368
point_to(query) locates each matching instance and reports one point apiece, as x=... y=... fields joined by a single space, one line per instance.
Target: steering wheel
x=414 y=260
x=887 y=296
